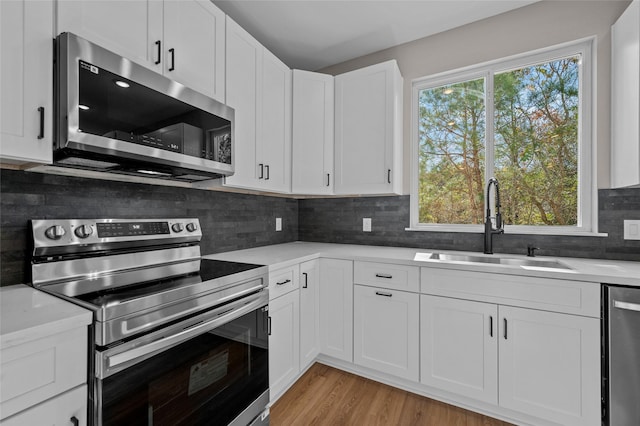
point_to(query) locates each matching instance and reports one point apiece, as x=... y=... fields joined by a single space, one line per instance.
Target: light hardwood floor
x=327 y=396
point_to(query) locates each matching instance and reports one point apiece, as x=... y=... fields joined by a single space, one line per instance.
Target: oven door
x=211 y=369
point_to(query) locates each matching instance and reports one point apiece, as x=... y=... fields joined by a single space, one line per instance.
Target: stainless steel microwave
x=113 y=115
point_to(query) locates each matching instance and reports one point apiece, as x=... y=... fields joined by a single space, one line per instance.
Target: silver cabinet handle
x=380 y=293
x=627 y=306
x=387 y=276
x=283 y=282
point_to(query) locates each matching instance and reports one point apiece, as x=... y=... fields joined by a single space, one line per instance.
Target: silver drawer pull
x=387 y=276
x=283 y=282
x=379 y=293
x=626 y=305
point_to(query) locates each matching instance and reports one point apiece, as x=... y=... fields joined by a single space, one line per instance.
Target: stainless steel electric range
x=176 y=339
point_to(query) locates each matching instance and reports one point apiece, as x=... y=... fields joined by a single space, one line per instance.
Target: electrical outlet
x=632 y=229
x=278 y=224
x=366 y=224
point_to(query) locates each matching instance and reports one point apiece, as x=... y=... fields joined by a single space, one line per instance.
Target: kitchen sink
x=506 y=261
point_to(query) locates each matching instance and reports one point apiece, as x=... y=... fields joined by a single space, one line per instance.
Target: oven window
x=207 y=380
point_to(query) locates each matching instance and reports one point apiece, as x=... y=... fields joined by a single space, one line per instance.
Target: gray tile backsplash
x=229 y=221
x=236 y=221
x=339 y=220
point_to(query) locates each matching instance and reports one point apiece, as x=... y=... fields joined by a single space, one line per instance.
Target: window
x=524 y=120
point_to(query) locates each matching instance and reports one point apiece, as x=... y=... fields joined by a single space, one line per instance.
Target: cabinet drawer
x=58 y=411
x=550 y=294
x=387 y=275
x=40 y=369
x=283 y=281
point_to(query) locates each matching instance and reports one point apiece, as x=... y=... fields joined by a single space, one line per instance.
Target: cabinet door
x=368 y=130
x=66 y=409
x=195 y=29
x=385 y=329
x=26 y=81
x=625 y=98
x=312 y=156
x=550 y=365
x=274 y=137
x=309 y=315
x=336 y=308
x=459 y=347
x=244 y=65
x=128 y=28
x=284 y=343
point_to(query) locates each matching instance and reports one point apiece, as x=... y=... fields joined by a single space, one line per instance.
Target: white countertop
x=28 y=314
x=283 y=255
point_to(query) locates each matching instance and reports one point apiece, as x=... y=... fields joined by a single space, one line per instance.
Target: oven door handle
x=113 y=363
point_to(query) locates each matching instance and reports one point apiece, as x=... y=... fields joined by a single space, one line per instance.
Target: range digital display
x=128 y=229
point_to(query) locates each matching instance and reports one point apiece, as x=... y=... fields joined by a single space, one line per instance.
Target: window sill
x=509 y=230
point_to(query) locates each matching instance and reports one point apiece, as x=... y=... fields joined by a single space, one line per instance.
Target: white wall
x=536 y=26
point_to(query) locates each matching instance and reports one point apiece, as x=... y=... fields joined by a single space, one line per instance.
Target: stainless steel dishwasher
x=622 y=355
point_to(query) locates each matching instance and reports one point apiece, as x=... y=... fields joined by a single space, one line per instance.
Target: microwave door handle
x=144 y=351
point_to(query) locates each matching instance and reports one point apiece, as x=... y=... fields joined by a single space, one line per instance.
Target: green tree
x=536 y=147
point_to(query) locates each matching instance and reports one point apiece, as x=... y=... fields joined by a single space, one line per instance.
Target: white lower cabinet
x=284 y=342
x=294 y=325
x=69 y=408
x=458 y=347
x=336 y=308
x=309 y=313
x=385 y=329
x=539 y=363
x=550 y=365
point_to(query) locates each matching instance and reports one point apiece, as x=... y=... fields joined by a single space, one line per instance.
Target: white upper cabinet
x=244 y=65
x=259 y=89
x=274 y=139
x=313 y=105
x=184 y=40
x=625 y=98
x=26 y=82
x=368 y=130
x=195 y=30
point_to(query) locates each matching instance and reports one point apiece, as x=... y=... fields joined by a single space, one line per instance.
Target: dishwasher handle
x=626 y=305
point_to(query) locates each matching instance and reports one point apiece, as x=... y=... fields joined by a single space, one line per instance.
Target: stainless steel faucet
x=489 y=230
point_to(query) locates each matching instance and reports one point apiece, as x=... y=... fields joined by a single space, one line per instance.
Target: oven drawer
x=40 y=369
x=387 y=275
x=283 y=281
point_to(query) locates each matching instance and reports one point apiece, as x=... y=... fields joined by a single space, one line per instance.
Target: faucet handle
x=531 y=251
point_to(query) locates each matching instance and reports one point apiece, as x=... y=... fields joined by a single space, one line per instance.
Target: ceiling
x=313 y=34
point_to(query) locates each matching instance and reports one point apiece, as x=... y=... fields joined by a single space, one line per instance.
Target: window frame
x=587 y=188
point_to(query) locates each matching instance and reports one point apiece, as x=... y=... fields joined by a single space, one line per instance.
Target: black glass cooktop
x=210 y=270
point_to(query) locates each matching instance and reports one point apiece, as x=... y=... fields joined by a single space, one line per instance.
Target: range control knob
x=83 y=231
x=192 y=227
x=55 y=232
x=177 y=227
